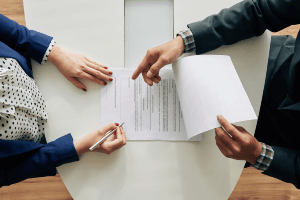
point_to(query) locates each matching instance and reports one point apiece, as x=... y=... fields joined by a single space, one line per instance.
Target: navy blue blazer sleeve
x=36 y=159
x=244 y=20
x=23 y=40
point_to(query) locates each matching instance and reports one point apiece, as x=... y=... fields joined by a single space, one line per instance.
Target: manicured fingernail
x=149 y=74
x=105 y=83
x=110 y=73
x=117 y=124
x=219 y=117
x=110 y=79
x=84 y=89
x=105 y=67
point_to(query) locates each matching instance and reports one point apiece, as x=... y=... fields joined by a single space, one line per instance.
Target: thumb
x=154 y=69
x=77 y=83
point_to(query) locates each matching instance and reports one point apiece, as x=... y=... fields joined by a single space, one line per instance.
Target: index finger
x=228 y=127
x=143 y=65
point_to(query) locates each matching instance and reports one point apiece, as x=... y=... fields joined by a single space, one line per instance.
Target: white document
x=149 y=113
x=207 y=86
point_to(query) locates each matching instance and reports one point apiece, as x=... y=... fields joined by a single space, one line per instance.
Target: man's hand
x=74 y=65
x=158 y=57
x=239 y=145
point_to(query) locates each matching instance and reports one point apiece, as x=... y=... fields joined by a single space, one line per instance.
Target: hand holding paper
x=240 y=145
x=205 y=85
x=208 y=85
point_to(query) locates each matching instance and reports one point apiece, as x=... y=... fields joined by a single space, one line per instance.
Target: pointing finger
x=142 y=66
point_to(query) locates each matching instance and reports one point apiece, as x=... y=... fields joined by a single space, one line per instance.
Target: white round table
x=145 y=170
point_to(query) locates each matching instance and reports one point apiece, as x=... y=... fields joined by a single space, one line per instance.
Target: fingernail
x=219 y=117
x=149 y=74
x=117 y=124
x=105 y=83
x=105 y=67
x=84 y=89
x=110 y=79
x=110 y=73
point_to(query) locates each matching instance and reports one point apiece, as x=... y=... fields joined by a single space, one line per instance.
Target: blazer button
x=273 y=104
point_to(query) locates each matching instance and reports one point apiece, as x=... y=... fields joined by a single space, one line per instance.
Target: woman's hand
x=73 y=65
x=111 y=144
x=158 y=57
x=239 y=145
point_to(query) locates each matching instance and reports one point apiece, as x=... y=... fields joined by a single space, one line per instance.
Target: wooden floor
x=252 y=185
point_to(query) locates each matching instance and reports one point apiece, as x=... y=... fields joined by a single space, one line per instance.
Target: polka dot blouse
x=22 y=107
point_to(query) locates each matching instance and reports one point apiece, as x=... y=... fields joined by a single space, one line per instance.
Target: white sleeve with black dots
x=52 y=43
x=22 y=108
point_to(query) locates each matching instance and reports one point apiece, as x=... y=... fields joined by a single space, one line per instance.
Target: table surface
x=144 y=169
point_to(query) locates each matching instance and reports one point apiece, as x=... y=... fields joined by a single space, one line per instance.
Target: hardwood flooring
x=252 y=185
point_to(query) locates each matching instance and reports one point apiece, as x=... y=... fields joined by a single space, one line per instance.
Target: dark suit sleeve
x=285 y=166
x=29 y=164
x=244 y=20
x=23 y=40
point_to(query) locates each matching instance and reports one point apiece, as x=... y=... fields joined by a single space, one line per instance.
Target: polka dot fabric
x=22 y=108
x=52 y=43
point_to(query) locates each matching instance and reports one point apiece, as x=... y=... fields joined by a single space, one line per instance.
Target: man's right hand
x=158 y=57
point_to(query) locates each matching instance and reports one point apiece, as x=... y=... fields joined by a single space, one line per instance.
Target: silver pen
x=104 y=138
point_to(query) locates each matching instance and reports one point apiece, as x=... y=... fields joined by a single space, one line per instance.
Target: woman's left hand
x=74 y=65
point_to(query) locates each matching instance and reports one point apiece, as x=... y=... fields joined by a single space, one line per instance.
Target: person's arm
x=23 y=40
x=19 y=167
x=244 y=20
x=285 y=166
x=277 y=162
x=280 y=163
x=63 y=150
x=41 y=48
